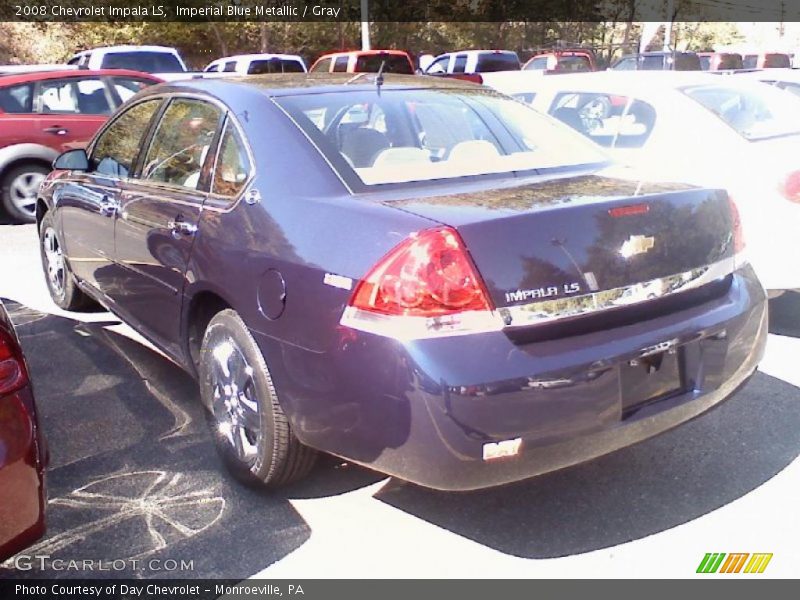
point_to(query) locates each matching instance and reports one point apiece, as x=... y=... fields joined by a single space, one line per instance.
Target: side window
x=233 y=165
x=117 y=147
x=460 y=64
x=626 y=64
x=74 y=60
x=439 y=65
x=127 y=87
x=340 y=66
x=16 y=99
x=606 y=119
x=323 y=66
x=180 y=145
x=538 y=64
x=85 y=96
x=230 y=66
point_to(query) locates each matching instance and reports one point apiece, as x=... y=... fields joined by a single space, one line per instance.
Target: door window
x=439 y=65
x=85 y=96
x=16 y=99
x=116 y=149
x=127 y=87
x=180 y=145
x=340 y=65
x=460 y=64
x=233 y=165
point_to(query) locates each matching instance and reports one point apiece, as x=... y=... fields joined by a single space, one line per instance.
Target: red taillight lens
x=12 y=368
x=427 y=275
x=736 y=223
x=790 y=188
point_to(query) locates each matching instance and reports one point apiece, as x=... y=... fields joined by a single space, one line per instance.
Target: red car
x=364 y=61
x=576 y=60
x=23 y=454
x=42 y=114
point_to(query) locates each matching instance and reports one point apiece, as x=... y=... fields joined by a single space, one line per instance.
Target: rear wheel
x=250 y=429
x=20 y=190
x=60 y=281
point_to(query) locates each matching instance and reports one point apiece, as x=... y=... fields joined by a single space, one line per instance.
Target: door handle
x=56 y=129
x=108 y=206
x=179 y=227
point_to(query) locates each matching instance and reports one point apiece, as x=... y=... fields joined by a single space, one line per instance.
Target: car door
x=70 y=111
x=87 y=202
x=158 y=216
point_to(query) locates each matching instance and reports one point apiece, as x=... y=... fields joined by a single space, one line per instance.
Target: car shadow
x=784 y=315
x=629 y=494
x=134 y=476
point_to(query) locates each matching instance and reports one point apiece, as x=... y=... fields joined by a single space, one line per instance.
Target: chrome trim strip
x=401 y=327
x=549 y=311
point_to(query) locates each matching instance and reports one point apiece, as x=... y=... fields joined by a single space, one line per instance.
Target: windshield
x=394 y=63
x=754 y=112
x=148 y=62
x=419 y=135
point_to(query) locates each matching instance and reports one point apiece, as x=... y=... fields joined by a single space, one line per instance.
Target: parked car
x=23 y=451
x=257 y=64
x=767 y=60
x=573 y=60
x=368 y=279
x=720 y=61
x=162 y=61
x=364 y=61
x=22 y=69
x=658 y=61
x=707 y=129
x=42 y=114
x=471 y=62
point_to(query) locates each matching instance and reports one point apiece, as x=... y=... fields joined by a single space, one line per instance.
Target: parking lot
x=134 y=478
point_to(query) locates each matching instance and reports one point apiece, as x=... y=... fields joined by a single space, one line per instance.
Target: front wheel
x=20 y=190
x=251 y=431
x=60 y=281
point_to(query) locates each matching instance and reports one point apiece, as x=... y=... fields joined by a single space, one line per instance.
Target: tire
x=60 y=282
x=20 y=190
x=251 y=432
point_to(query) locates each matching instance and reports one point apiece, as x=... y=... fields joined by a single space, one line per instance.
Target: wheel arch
x=200 y=306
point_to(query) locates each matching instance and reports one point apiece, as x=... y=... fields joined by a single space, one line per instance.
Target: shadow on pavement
x=784 y=315
x=632 y=493
x=133 y=473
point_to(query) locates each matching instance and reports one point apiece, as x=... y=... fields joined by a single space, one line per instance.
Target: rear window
x=489 y=62
x=573 y=64
x=274 y=65
x=16 y=99
x=686 y=62
x=419 y=135
x=750 y=61
x=395 y=63
x=777 y=61
x=149 y=62
x=730 y=61
x=755 y=113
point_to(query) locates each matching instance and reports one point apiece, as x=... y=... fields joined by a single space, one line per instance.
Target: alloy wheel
x=23 y=191
x=54 y=258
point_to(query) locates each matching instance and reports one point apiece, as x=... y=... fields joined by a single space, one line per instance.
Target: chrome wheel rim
x=23 y=191
x=234 y=400
x=54 y=259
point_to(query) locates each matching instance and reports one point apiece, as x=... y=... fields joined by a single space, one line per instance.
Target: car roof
x=291 y=84
x=775 y=74
x=128 y=48
x=632 y=82
x=73 y=73
x=259 y=56
x=363 y=53
x=485 y=51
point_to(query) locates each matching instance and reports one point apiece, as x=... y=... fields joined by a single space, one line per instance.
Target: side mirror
x=72 y=160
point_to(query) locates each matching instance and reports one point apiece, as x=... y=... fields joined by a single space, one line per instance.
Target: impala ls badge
x=637 y=244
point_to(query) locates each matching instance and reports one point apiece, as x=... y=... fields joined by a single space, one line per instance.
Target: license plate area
x=651 y=378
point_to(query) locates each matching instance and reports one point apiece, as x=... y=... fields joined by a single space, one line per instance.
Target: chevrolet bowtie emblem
x=637 y=244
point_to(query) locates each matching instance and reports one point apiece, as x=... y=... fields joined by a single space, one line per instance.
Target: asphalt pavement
x=136 y=488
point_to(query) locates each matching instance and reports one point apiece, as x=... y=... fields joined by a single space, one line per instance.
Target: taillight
x=790 y=187
x=12 y=368
x=736 y=226
x=427 y=275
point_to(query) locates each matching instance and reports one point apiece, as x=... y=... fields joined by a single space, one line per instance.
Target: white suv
x=257 y=64
x=149 y=59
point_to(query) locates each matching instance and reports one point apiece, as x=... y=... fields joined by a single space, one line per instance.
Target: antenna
x=379 y=78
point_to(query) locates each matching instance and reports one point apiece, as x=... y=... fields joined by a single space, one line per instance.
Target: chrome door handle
x=108 y=206
x=56 y=130
x=179 y=228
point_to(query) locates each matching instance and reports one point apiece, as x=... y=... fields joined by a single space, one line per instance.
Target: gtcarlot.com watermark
x=43 y=562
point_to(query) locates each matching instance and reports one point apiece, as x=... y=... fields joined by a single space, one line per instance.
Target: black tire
x=270 y=456
x=28 y=174
x=67 y=295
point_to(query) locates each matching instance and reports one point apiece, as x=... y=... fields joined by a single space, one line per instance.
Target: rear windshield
x=573 y=64
x=395 y=63
x=755 y=113
x=148 y=62
x=497 y=61
x=777 y=61
x=419 y=135
x=730 y=61
x=274 y=65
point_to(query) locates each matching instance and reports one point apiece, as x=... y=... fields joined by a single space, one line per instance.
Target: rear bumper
x=424 y=410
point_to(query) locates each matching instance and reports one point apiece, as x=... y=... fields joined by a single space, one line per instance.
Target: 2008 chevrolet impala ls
x=420 y=276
